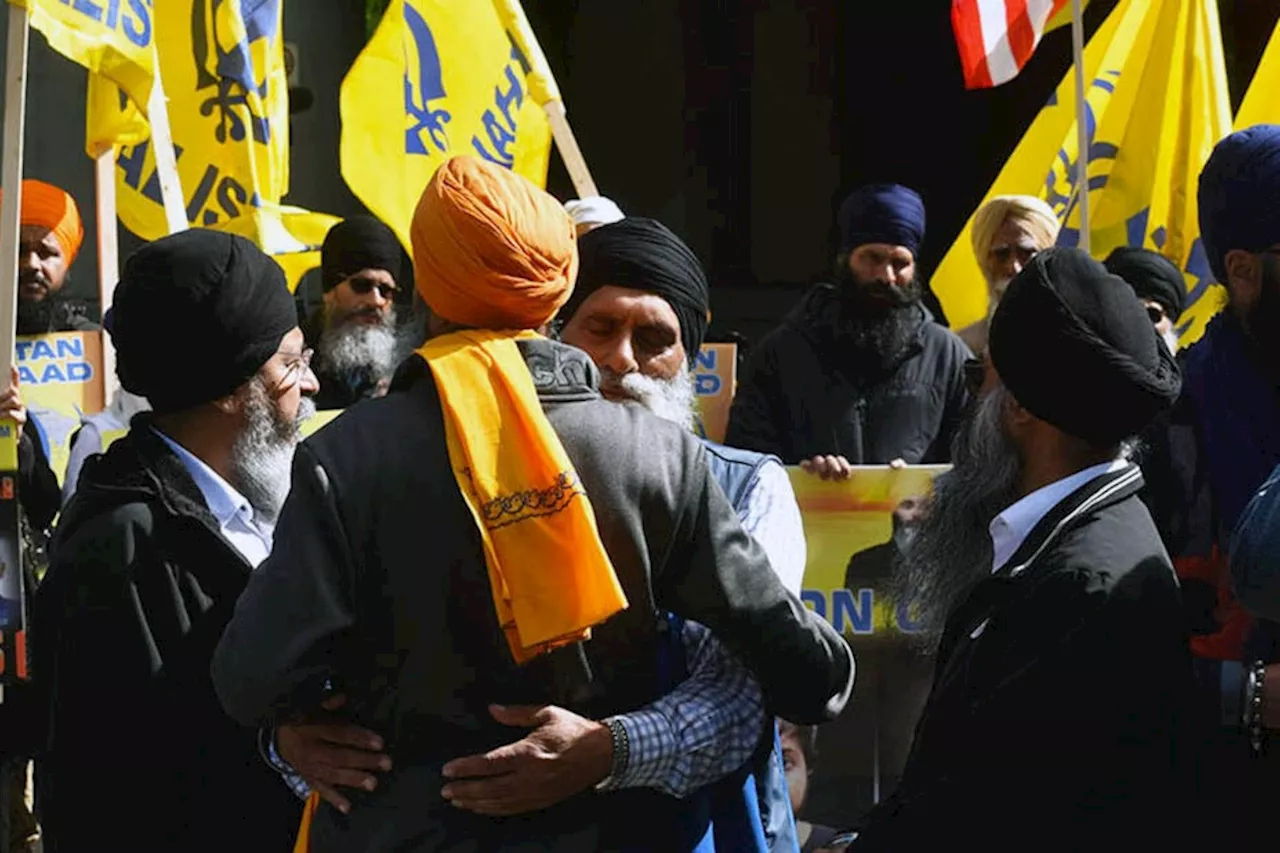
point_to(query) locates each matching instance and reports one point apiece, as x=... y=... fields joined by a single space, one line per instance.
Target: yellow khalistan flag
x=1157 y=104
x=223 y=71
x=1261 y=104
x=116 y=43
x=439 y=78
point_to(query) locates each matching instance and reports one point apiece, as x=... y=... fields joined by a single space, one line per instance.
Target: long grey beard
x=350 y=347
x=951 y=549
x=670 y=399
x=262 y=456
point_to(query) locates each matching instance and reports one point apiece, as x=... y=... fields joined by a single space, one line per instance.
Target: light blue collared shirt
x=1010 y=528
x=232 y=510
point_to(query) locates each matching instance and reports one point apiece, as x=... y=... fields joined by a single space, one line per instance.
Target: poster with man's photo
x=856 y=530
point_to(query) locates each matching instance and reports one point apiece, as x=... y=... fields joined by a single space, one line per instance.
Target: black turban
x=358 y=243
x=195 y=315
x=1075 y=347
x=882 y=213
x=1152 y=276
x=643 y=254
x=1239 y=186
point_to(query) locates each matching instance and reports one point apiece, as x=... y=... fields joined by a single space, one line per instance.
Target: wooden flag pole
x=570 y=153
x=175 y=212
x=543 y=89
x=1082 y=129
x=15 y=108
x=104 y=177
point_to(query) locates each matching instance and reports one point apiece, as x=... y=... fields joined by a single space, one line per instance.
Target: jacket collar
x=561 y=373
x=141 y=467
x=1099 y=493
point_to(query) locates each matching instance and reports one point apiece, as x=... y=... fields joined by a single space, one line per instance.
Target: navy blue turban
x=1239 y=193
x=882 y=213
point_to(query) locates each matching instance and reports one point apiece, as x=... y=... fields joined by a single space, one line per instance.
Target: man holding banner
x=858 y=373
x=1056 y=718
x=51 y=236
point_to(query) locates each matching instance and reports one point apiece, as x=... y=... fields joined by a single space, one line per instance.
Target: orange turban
x=491 y=250
x=55 y=209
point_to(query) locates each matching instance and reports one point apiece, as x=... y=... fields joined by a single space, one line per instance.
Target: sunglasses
x=975 y=374
x=1004 y=254
x=1156 y=313
x=362 y=286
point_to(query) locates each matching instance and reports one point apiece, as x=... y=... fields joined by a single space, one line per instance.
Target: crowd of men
x=510 y=601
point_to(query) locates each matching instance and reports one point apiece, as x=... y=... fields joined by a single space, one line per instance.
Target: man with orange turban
x=49 y=241
x=486 y=550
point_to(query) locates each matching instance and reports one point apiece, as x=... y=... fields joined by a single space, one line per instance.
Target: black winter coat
x=138 y=754
x=1060 y=715
x=803 y=395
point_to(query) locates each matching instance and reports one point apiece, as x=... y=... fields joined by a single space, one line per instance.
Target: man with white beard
x=1058 y=709
x=640 y=309
x=1007 y=233
x=1157 y=282
x=353 y=332
x=152 y=553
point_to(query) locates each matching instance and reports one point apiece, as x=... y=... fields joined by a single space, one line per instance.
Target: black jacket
x=1059 y=715
x=377 y=580
x=802 y=396
x=138 y=752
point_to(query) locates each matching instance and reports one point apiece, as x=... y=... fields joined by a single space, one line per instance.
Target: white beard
x=1170 y=339
x=350 y=347
x=670 y=399
x=262 y=456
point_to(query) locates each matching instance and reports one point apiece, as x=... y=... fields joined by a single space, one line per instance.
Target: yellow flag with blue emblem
x=1156 y=105
x=116 y=42
x=1261 y=104
x=439 y=78
x=222 y=63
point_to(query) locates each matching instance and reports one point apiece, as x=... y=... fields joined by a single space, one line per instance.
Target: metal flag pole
x=1082 y=130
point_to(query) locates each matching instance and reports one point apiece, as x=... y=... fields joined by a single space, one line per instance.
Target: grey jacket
x=377 y=582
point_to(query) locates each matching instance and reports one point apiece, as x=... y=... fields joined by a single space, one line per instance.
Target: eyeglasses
x=1004 y=254
x=298 y=364
x=1156 y=313
x=361 y=286
x=975 y=375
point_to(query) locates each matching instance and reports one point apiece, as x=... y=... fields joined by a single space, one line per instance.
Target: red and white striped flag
x=997 y=37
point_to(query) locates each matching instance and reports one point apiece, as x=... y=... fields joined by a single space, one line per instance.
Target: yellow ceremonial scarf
x=303 y=843
x=548 y=569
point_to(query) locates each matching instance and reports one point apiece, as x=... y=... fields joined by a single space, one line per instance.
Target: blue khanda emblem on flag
x=424 y=88
x=224 y=63
x=1060 y=184
x=1060 y=193
x=429 y=88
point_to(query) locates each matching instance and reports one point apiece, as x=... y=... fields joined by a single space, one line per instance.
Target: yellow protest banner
x=465 y=91
x=1157 y=104
x=223 y=68
x=61 y=380
x=715 y=377
x=853 y=542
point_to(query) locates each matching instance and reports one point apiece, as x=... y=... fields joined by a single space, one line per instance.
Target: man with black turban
x=1225 y=441
x=1157 y=282
x=858 y=373
x=152 y=553
x=1062 y=666
x=640 y=310
x=354 y=331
